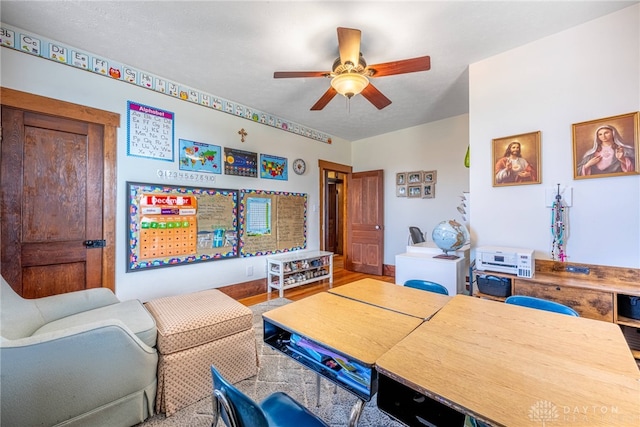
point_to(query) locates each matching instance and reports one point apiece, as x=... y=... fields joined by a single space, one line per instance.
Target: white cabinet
x=419 y=263
x=294 y=269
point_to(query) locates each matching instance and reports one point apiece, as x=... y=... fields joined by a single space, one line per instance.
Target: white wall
x=193 y=122
x=439 y=146
x=585 y=73
x=588 y=72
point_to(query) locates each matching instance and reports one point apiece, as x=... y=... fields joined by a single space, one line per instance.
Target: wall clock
x=299 y=166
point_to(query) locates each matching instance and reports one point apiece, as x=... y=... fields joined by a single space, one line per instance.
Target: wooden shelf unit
x=593 y=295
x=293 y=269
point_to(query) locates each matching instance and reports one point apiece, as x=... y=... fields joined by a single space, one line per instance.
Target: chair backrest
x=541 y=304
x=234 y=407
x=426 y=285
x=19 y=317
x=416 y=235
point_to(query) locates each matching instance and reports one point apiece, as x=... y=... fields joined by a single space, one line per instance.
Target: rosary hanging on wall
x=559 y=228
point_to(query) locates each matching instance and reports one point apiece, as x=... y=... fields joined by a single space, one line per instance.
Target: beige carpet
x=277 y=372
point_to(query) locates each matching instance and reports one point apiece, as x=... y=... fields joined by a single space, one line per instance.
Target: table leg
x=317 y=391
x=356 y=411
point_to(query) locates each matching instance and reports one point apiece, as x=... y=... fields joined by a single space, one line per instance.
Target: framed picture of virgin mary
x=606 y=147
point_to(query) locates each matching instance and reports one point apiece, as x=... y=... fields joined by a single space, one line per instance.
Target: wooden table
x=515 y=366
x=360 y=332
x=414 y=302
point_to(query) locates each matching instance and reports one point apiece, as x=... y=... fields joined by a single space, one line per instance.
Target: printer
x=506 y=260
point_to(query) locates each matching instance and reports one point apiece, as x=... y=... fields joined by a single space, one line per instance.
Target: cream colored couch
x=77 y=359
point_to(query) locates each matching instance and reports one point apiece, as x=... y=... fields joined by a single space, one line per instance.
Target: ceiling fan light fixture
x=349 y=84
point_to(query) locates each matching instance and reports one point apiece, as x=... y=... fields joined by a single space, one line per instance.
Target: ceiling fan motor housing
x=339 y=67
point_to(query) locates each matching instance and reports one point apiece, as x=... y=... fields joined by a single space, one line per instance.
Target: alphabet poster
x=150 y=132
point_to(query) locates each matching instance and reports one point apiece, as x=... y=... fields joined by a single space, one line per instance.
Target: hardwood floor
x=340 y=277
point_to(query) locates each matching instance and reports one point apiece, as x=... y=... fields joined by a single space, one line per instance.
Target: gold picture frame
x=606 y=147
x=516 y=160
x=401 y=191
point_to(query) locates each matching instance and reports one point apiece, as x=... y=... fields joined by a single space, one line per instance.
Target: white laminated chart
x=150 y=132
x=258 y=216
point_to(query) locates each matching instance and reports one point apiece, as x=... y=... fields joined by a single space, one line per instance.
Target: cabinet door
x=587 y=302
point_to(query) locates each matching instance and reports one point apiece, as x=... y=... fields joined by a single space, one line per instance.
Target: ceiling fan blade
x=349 y=45
x=324 y=100
x=422 y=63
x=375 y=96
x=291 y=74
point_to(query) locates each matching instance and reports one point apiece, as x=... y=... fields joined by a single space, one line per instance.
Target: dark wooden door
x=365 y=222
x=52 y=203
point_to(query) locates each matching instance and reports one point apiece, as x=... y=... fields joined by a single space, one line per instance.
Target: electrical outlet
x=250 y=271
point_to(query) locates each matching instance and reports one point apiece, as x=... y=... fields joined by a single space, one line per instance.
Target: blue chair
x=238 y=410
x=426 y=285
x=541 y=304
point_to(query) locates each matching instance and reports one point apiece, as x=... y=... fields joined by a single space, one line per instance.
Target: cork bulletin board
x=272 y=222
x=171 y=225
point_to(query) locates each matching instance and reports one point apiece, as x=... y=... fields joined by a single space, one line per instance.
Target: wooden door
x=365 y=222
x=58 y=193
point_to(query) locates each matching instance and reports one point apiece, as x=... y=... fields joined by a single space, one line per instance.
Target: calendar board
x=172 y=225
x=272 y=222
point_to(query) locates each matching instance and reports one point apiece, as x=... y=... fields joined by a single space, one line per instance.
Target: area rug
x=277 y=372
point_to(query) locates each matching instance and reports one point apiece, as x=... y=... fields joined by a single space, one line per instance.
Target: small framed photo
x=414 y=191
x=516 y=160
x=606 y=147
x=414 y=177
x=428 y=191
x=401 y=191
x=429 y=177
x=401 y=178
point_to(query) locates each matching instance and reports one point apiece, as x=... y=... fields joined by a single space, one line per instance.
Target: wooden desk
x=359 y=332
x=414 y=302
x=514 y=366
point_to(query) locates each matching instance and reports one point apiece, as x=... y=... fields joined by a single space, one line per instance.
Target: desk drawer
x=588 y=303
x=353 y=376
x=413 y=408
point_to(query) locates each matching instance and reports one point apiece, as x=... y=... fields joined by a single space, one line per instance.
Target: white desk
x=419 y=263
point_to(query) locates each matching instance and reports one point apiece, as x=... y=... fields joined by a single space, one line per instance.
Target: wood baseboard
x=252 y=288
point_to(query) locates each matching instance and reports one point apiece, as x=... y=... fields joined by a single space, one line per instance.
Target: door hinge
x=92 y=244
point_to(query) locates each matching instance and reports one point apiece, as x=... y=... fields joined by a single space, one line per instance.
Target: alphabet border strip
x=22 y=41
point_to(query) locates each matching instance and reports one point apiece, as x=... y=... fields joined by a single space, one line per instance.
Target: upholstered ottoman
x=196 y=331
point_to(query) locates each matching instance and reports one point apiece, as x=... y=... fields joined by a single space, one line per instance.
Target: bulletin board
x=272 y=222
x=172 y=225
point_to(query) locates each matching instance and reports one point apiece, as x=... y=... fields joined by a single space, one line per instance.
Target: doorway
x=333 y=202
x=334 y=213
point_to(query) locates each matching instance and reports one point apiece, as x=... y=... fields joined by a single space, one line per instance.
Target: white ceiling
x=231 y=48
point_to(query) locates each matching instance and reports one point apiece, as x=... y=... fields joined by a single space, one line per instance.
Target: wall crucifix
x=242 y=134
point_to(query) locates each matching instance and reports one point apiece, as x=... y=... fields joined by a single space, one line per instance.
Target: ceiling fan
x=350 y=73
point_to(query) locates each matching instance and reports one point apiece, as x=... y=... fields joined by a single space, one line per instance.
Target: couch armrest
x=58 y=306
x=56 y=376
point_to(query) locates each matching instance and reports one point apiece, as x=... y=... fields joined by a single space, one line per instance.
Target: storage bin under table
x=196 y=331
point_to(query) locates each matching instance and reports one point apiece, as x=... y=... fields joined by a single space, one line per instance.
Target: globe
x=450 y=236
